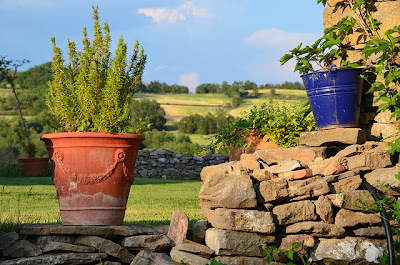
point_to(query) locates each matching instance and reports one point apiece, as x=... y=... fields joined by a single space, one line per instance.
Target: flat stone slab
x=316 y=229
x=333 y=137
x=67 y=258
x=188 y=258
x=234 y=243
x=120 y=230
x=150 y=258
x=195 y=248
x=147 y=242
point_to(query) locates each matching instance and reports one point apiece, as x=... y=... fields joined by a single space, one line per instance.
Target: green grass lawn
x=151 y=201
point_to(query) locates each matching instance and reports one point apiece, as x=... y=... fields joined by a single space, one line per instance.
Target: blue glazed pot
x=335 y=96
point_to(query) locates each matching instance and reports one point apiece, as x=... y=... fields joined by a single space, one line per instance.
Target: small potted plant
x=32 y=166
x=94 y=153
x=334 y=92
x=269 y=125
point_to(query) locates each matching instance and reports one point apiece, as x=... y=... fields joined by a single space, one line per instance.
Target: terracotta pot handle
x=82 y=178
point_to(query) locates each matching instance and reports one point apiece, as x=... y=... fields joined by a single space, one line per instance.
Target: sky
x=187 y=42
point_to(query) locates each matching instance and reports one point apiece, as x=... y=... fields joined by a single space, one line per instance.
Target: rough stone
x=244 y=260
x=220 y=169
x=66 y=258
x=195 y=248
x=8 y=239
x=385 y=117
x=308 y=188
x=306 y=241
x=369 y=161
x=328 y=167
x=274 y=190
x=146 y=242
x=303 y=154
x=209 y=214
x=352 y=200
x=388 y=130
x=340 y=176
x=379 y=179
x=188 y=258
x=122 y=230
x=285 y=166
x=151 y=258
x=316 y=229
x=370 y=232
x=229 y=191
x=178 y=228
x=161 y=229
x=199 y=231
x=297 y=174
x=53 y=246
x=228 y=242
x=350 y=250
x=386 y=13
x=262 y=174
x=333 y=137
x=106 y=246
x=245 y=165
x=244 y=220
x=21 y=248
x=324 y=208
x=347 y=218
x=347 y=184
x=295 y=212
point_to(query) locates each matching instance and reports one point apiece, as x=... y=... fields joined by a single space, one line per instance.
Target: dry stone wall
x=153 y=163
x=312 y=194
x=388 y=14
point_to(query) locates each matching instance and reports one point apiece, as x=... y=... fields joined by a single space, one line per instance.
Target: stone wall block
x=150 y=258
x=324 y=208
x=333 y=137
x=316 y=229
x=229 y=191
x=350 y=250
x=386 y=14
x=308 y=188
x=347 y=218
x=244 y=220
x=291 y=213
x=147 y=242
x=187 y=258
x=234 y=243
x=278 y=154
x=380 y=178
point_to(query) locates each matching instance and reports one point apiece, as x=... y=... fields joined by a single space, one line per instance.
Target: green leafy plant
x=93 y=92
x=282 y=122
x=289 y=253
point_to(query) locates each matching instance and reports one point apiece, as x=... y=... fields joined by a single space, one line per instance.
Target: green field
x=151 y=202
x=177 y=106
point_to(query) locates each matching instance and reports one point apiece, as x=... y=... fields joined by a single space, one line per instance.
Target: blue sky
x=188 y=42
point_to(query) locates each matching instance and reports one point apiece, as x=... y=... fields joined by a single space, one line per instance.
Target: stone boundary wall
x=388 y=14
x=312 y=194
x=165 y=164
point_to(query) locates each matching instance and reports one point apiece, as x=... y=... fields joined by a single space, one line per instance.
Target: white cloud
x=277 y=37
x=191 y=80
x=173 y=15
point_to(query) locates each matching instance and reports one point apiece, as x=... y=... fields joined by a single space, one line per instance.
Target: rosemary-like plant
x=93 y=92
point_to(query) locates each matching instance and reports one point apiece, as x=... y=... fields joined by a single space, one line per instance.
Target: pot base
x=93 y=216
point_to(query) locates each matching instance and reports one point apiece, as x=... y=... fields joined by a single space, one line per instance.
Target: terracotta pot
x=34 y=166
x=256 y=142
x=93 y=174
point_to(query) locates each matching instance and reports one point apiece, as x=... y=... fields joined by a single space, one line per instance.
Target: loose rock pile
x=153 y=163
x=310 y=194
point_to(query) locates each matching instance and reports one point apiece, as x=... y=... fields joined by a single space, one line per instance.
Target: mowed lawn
x=151 y=201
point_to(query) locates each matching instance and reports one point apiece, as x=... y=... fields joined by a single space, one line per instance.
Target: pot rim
x=336 y=69
x=91 y=135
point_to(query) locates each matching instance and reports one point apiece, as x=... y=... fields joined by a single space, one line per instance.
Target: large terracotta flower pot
x=93 y=174
x=256 y=142
x=34 y=166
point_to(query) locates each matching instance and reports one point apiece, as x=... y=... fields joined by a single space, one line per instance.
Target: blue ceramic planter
x=335 y=96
